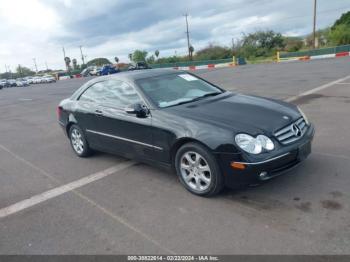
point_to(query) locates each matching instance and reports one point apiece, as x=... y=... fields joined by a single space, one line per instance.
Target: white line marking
x=37 y=199
x=317 y=89
x=50 y=195
x=25 y=99
x=42 y=171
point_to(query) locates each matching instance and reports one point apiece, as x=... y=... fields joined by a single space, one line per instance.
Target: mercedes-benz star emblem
x=296 y=130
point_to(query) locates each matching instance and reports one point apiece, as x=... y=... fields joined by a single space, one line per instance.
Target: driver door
x=120 y=132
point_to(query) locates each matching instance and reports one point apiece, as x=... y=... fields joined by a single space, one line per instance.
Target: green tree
x=156 y=53
x=98 y=62
x=75 y=64
x=24 y=71
x=191 y=49
x=116 y=59
x=212 y=52
x=67 y=61
x=322 y=36
x=293 y=44
x=139 y=55
x=343 y=20
x=261 y=44
x=340 y=35
x=150 y=59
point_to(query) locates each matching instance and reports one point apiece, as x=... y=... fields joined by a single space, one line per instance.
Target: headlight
x=304 y=116
x=248 y=143
x=265 y=142
x=254 y=145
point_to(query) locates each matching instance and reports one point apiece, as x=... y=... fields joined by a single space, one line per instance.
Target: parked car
x=48 y=79
x=38 y=80
x=4 y=83
x=85 y=72
x=209 y=136
x=12 y=82
x=21 y=82
x=29 y=79
x=94 y=70
x=138 y=66
x=25 y=83
x=108 y=70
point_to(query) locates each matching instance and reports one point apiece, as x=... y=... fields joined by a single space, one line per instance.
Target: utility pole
x=188 y=37
x=64 y=57
x=47 y=68
x=36 y=67
x=314 y=28
x=82 y=56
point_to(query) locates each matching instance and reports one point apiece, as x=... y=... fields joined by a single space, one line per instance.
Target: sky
x=107 y=28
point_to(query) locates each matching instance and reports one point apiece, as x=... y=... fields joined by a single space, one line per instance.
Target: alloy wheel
x=77 y=141
x=195 y=171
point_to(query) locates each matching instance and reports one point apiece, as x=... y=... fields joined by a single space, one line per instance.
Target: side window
x=111 y=92
x=120 y=94
x=94 y=93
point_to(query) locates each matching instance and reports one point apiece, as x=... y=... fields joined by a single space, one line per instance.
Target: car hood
x=241 y=113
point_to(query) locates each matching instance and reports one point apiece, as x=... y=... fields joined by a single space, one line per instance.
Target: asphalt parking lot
x=141 y=209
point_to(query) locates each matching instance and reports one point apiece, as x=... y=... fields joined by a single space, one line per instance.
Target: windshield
x=174 y=89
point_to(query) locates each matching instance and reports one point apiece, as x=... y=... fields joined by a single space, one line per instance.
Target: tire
x=78 y=141
x=198 y=170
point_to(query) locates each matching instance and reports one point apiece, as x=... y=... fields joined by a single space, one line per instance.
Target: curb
x=209 y=66
x=306 y=58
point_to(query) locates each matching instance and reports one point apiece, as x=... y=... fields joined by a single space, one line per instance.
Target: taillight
x=59 y=112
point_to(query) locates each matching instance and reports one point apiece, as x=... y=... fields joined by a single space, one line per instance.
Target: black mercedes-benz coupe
x=209 y=136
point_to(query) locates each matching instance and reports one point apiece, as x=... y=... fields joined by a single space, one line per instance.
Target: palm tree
x=156 y=53
x=67 y=61
x=191 y=49
x=75 y=64
x=116 y=59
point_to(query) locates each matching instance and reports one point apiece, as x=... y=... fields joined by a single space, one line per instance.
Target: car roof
x=128 y=76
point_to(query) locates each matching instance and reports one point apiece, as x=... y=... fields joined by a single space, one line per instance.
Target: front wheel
x=78 y=141
x=198 y=170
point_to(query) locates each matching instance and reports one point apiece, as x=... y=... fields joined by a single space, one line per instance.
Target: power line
x=318 y=12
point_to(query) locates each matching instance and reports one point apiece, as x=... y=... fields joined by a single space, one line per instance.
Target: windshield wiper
x=206 y=95
x=197 y=98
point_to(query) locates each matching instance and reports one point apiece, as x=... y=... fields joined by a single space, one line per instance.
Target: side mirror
x=138 y=109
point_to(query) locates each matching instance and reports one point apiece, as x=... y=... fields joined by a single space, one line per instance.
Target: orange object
x=237 y=165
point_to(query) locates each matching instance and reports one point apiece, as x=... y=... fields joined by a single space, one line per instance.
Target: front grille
x=292 y=132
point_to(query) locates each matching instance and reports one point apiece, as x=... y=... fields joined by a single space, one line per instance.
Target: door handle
x=98 y=112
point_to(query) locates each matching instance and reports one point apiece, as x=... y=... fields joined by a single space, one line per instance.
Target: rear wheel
x=78 y=141
x=198 y=170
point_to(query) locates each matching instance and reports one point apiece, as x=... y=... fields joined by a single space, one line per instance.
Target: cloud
x=105 y=28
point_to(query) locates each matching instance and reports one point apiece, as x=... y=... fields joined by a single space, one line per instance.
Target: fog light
x=263 y=175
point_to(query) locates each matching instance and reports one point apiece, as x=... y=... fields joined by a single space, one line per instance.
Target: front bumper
x=260 y=170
